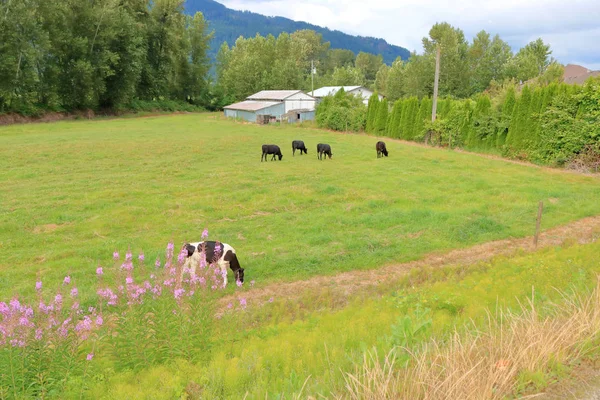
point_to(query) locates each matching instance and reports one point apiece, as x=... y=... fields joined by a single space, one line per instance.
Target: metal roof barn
x=275 y=103
x=249 y=110
x=293 y=99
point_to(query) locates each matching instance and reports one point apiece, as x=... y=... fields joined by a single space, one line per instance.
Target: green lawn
x=73 y=192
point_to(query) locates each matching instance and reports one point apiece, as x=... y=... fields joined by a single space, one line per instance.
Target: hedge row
x=554 y=124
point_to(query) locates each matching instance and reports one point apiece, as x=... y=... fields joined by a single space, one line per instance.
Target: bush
x=342 y=112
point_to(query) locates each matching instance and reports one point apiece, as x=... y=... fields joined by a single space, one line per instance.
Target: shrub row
x=555 y=124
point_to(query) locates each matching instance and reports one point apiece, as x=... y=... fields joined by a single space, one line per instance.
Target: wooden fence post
x=538 y=223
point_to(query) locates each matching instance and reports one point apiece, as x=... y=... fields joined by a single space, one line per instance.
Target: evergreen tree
x=505 y=117
x=408 y=118
x=519 y=123
x=382 y=117
x=394 y=118
x=423 y=115
x=372 y=112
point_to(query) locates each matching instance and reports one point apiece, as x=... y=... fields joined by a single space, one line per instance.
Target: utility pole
x=312 y=77
x=435 y=83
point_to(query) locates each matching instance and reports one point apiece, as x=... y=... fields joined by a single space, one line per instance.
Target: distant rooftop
x=250 y=105
x=273 y=94
x=576 y=74
x=331 y=90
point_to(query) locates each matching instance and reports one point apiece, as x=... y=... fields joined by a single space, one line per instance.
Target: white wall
x=299 y=101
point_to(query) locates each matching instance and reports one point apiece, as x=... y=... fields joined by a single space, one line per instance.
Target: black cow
x=380 y=147
x=271 y=149
x=323 y=149
x=298 y=145
x=223 y=258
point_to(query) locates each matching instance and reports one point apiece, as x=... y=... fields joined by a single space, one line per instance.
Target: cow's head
x=385 y=152
x=280 y=156
x=239 y=275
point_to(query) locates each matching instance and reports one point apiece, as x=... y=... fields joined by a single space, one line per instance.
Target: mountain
x=230 y=24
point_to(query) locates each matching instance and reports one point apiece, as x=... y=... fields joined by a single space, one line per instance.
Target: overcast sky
x=572 y=28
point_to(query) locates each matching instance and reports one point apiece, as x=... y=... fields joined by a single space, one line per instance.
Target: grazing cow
x=380 y=147
x=323 y=149
x=298 y=145
x=271 y=149
x=223 y=255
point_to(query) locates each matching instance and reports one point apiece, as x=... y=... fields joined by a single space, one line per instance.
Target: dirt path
x=345 y=284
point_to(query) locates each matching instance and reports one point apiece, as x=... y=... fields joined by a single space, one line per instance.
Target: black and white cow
x=271 y=149
x=323 y=149
x=380 y=147
x=224 y=257
x=298 y=145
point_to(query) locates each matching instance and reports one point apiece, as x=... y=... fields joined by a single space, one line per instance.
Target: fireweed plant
x=142 y=315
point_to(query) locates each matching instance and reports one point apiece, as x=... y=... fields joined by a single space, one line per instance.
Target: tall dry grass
x=484 y=363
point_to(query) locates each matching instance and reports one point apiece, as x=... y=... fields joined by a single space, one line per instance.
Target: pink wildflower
x=90 y=356
x=239 y=283
x=99 y=271
x=99 y=320
x=58 y=298
x=116 y=255
x=38 y=334
x=271 y=300
x=38 y=285
x=4 y=309
x=74 y=292
x=157 y=263
x=67 y=280
x=178 y=293
x=182 y=255
x=141 y=257
x=129 y=280
x=204 y=233
x=15 y=304
x=128 y=256
x=229 y=305
x=243 y=302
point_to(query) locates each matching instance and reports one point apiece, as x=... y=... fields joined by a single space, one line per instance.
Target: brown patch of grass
x=46 y=228
x=484 y=364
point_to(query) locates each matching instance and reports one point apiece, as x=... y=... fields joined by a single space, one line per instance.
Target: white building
x=293 y=99
x=290 y=105
x=359 y=91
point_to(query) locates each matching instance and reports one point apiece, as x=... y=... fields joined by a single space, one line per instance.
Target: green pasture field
x=73 y=192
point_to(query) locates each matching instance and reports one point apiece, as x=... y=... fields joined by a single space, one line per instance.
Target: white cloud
x=571 y=28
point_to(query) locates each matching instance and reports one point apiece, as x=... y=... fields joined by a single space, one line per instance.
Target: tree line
x=64 y=55
x=58 y=55
x=468 y=68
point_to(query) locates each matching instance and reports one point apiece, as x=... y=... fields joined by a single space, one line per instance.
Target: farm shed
x=299 y=116
x=249 y=110
x=292 y=99
x=359 y=91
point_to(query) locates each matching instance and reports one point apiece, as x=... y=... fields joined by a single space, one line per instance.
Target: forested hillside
x=231 y=24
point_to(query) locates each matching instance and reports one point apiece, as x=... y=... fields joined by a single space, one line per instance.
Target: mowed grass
x=73 y=192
